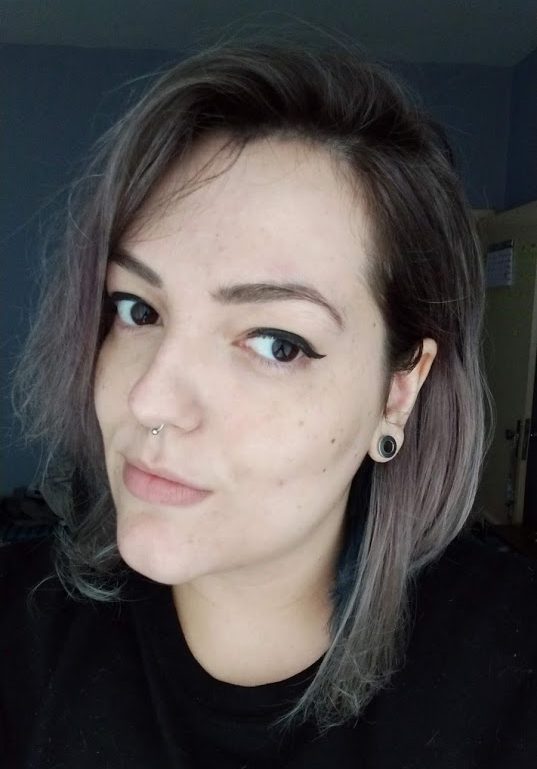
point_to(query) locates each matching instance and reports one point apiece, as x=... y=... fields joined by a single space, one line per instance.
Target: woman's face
x=274 y=435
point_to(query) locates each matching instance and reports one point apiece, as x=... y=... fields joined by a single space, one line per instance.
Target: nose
x=165 y=391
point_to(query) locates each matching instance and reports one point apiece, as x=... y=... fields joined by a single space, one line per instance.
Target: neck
x=268 y=621
x=250 y=651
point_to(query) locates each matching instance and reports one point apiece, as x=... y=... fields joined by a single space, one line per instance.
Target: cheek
x=332 y=439
x=108 y=387
x=100 y=387
x=306 y=438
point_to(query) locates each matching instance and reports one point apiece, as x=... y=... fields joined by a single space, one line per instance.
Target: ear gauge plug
x=387 y=446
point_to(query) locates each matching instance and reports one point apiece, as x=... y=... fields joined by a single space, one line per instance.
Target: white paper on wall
x=499 y=270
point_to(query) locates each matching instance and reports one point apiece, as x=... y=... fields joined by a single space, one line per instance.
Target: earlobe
x=386 y=446
x=404 y=390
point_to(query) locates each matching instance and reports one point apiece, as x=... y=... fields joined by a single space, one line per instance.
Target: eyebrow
x=239 y=293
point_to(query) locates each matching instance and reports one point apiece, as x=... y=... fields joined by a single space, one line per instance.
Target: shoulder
x=474 y=579
x=33 y=623
x=474 y=622
x=23 y=562
x=466 y=694
x=53 y=644
x=28 y=528
x=32 y=597
x=26 y=536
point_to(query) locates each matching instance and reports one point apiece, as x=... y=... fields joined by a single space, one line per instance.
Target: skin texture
x=251 y=565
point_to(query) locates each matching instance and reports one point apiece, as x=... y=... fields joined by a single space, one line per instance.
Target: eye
x=132 y=311
x=283 y=345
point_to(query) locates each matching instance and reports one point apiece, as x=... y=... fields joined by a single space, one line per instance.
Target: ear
x=403 y=394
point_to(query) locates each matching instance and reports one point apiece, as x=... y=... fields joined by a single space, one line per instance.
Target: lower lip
x=152 y=488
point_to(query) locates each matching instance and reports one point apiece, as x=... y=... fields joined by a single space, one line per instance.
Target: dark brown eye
x=131 y=310
x=283 y=346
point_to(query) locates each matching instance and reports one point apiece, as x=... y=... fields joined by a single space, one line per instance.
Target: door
x=510 y=345
x=530 y=495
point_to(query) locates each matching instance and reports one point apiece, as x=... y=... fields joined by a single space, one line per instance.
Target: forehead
x=280 y=209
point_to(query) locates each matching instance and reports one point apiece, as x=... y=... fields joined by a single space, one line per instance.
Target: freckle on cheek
x=333 y=440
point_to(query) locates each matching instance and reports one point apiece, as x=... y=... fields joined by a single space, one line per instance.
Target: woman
x=259 y=351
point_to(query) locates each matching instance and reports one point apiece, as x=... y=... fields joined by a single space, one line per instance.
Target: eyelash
x=115 y=297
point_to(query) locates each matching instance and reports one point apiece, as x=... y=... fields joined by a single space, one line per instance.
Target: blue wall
x=521 y=186
x=472 y=102
x=58 y=100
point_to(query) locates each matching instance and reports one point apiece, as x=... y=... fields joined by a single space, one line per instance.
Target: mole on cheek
x=333 y=440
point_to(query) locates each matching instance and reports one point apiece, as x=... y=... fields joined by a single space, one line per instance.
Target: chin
x=146 y=544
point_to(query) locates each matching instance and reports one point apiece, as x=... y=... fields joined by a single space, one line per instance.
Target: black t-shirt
x=87 y=685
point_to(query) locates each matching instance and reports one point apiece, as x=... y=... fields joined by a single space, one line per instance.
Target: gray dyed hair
x=425 y=273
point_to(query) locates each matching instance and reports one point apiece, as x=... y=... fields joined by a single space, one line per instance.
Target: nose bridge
x=166 y=389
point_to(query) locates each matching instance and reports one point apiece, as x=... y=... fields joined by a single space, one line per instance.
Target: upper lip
x=162 y=472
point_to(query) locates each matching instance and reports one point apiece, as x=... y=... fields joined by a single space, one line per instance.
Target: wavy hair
x=425 y=272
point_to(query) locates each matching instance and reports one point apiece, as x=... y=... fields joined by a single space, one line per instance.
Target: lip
x=161 y=472
x=159 y=490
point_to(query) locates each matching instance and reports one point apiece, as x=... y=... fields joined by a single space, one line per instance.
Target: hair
x=425 y=272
